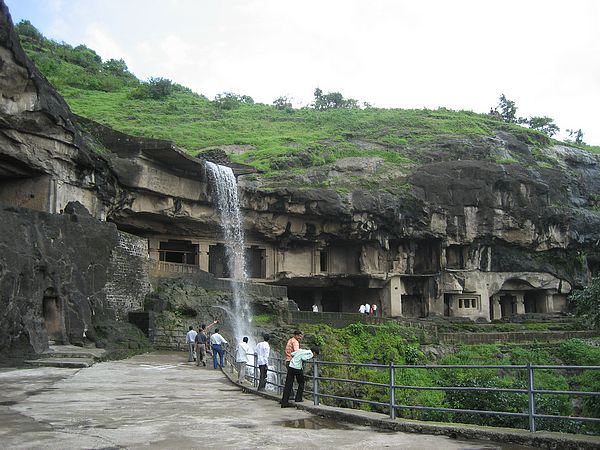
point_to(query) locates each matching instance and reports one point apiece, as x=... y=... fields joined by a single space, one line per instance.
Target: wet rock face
x=52 y=272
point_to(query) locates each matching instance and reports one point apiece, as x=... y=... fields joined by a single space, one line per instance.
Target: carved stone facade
x=471 y=238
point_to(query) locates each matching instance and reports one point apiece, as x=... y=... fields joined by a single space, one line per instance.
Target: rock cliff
x=501 y=203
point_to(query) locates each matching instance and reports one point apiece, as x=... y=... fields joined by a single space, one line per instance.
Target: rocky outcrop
x=53 y=268
x=503 y=204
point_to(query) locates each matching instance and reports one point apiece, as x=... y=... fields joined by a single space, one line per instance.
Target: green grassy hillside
x=273 y=139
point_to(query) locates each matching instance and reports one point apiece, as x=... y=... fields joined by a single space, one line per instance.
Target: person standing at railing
x=296 y=371
x=190 y=340
x=293 y=344
x=217 y=341
x=262 y=360
x=241 y=358
x=361 y=309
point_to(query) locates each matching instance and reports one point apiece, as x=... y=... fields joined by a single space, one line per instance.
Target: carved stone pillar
x=519 y=303
x=395 y=297
x=203 y=256
x=496 y=307
x=549 y=303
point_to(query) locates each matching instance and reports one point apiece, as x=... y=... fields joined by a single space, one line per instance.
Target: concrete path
x=159 y=401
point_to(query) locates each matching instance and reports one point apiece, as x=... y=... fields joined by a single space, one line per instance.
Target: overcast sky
x=542 y=54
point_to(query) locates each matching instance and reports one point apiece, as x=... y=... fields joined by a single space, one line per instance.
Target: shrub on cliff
x=587 y=303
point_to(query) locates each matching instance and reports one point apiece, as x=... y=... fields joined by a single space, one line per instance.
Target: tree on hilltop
x=544 y=124
x=575 y=136
x=282 y=102
x=25 y=28
x=332 y=100
x=229 y=100
x=507 y=109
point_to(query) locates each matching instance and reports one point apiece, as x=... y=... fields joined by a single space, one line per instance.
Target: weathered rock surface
x=52 y=266
x=534 y=211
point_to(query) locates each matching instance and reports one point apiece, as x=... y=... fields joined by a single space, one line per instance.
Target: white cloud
x=98 y=39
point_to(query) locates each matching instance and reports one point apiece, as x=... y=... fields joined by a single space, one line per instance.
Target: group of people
x=262 y=352
x=199 y=345
x=369 y=310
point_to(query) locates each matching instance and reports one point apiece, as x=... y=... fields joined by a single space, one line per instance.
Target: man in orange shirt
x=293 y=344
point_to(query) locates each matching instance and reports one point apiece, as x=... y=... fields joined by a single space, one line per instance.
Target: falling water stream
x=223 y=184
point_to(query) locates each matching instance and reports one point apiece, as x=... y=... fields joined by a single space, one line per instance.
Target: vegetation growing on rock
x=277 y=139
x=392 y=342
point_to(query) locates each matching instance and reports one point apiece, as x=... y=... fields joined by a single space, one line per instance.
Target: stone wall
x=128 y=275
x=513 y=336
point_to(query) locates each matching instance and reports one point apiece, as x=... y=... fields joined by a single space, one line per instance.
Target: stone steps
x=68 y=356
x=70 y=363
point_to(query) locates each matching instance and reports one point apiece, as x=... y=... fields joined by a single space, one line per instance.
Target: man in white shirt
x=361 y=309
x=241 y=358
x=315 y=308
x=190 y=340
x=367 y=309
x=262 y=360
x=216 y=342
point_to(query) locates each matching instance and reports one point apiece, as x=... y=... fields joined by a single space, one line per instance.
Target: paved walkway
x=159 y=401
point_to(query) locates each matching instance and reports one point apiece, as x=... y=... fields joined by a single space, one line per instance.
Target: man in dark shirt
x=202 y=342
x=201 y=345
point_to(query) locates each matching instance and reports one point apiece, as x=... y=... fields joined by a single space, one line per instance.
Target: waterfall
x=225 y=196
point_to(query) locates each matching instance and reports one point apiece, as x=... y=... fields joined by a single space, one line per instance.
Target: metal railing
x=317 y=387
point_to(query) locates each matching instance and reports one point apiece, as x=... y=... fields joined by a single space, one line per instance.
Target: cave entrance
x=507 y=305
x=52 y=312
x=412 y=306
x=256 y=262
x=535 y=301
x=218 y=261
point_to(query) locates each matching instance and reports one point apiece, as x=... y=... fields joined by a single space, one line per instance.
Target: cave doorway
x=412 y=306
x=218 y=261
x=531 y=303
x=256 y=262
x=507 y=307
x=53 y=317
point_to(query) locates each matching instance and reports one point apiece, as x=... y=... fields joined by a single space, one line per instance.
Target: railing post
x=530 y=389
x=316 y=383
x=392 y=391
x=278 y=377
x=255 y=380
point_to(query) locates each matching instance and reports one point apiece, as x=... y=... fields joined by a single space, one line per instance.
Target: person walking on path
x=217 y=341
x=202 y=342
x=262 y=360
x=190 y=340
x=241 y=358
x=296 y=370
